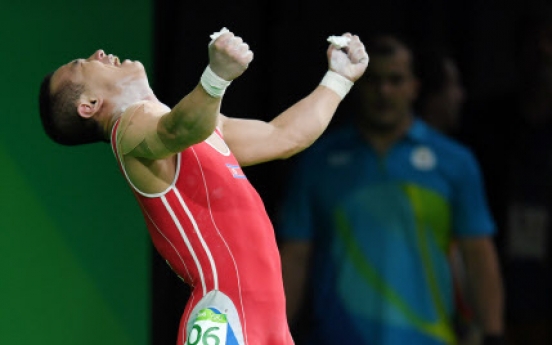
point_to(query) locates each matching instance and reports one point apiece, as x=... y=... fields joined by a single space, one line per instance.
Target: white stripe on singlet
x=203 y=243
x=190 y=279
x=185 y=238
x=225 y=243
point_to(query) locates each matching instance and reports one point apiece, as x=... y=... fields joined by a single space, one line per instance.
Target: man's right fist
x=229 y=55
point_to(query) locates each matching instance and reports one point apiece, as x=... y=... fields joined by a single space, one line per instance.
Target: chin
x=385 y=122
x=131 y=90
x=386 y=119
x=139 y=65
x=135 y=66
x=384 y=126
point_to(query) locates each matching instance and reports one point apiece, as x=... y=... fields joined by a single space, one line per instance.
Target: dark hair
x=59 y=117
x=388 y=44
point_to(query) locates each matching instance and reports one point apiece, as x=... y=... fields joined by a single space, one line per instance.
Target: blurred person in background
x=369 y=218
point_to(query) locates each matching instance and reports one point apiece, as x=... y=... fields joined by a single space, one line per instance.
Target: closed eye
x=75 y=63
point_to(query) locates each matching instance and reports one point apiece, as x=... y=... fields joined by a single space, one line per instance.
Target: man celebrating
x=184 y=167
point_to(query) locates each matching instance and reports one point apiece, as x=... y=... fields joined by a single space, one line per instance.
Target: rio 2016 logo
x=209 y=329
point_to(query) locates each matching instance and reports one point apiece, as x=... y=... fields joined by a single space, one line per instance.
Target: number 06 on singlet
x=208 y=328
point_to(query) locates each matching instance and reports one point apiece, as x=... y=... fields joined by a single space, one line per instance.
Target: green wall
x=74 y=251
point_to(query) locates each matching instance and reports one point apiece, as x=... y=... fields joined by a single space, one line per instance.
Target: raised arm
x=295 y=129
x=154 y=132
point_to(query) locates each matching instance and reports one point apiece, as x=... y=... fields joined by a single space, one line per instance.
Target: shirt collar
x=418 y=130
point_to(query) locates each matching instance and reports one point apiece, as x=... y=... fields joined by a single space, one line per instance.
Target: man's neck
x=382 y=139
x=116 y=113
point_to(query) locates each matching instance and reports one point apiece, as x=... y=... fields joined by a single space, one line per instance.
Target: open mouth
x=114 y=60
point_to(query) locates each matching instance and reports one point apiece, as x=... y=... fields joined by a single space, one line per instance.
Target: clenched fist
x=229 y=55
x=349 y=58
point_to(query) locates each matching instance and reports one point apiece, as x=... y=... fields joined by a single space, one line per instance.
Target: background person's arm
x=295 y=271
x=485 y=282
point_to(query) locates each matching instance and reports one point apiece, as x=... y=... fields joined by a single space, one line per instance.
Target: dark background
x=288 y=39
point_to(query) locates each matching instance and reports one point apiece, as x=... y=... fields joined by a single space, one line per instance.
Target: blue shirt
x=381 y=227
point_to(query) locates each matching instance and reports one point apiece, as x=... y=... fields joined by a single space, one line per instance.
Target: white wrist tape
x=338 y=83
x=213 y=84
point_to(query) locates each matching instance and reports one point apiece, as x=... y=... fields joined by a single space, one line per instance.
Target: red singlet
x=212 y=228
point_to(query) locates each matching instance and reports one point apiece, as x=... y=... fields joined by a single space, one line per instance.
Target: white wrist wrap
x=337 y=83
x=213 y=84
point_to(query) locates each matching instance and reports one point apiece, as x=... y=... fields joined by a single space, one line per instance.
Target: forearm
x=195 y=117
x=306 y=120
x=486 y=284
x=190 y=121
x=294 y=287
x=295 y=259
x=489 y=299
x=295 y=129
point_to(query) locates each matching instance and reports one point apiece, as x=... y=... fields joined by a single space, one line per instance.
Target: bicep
x=253 y=141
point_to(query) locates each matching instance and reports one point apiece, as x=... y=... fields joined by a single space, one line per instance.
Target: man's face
x=104 y=74
x=388 y=90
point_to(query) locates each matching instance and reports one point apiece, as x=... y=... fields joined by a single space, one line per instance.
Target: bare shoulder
x=136 y=122
x=234 y=126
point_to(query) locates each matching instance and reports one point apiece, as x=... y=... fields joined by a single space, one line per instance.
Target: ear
x=88 y=106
